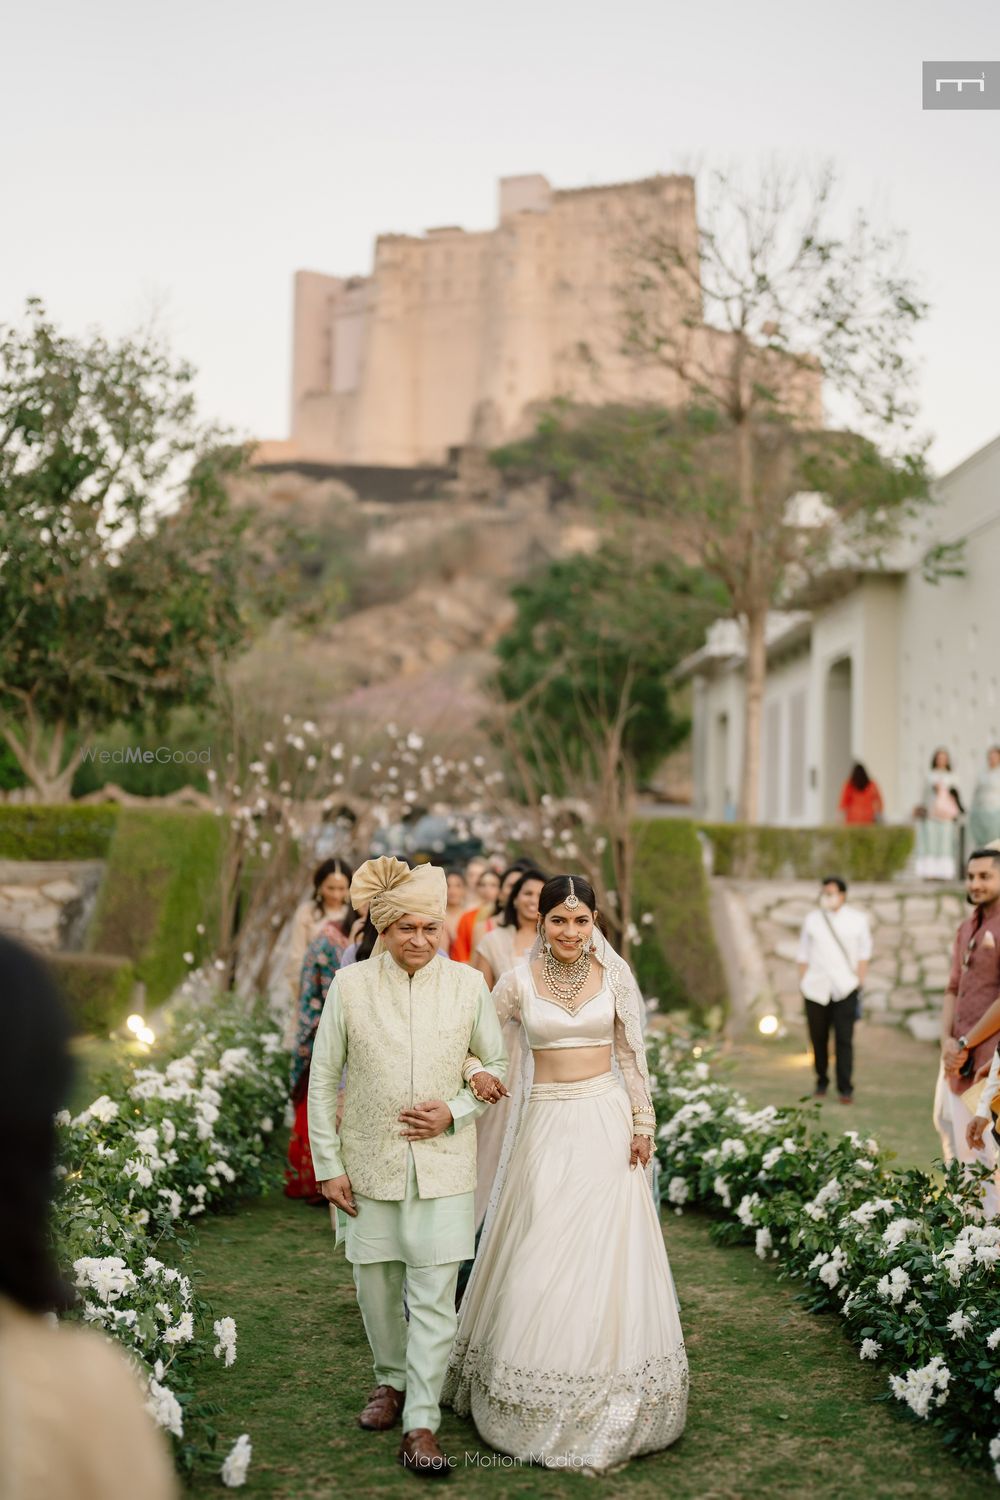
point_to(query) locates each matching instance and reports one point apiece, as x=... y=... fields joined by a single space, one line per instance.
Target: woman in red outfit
x=861 y=800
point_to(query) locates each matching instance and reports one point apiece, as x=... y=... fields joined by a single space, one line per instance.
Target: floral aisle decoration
x=164 y=1144
x=904 y=1258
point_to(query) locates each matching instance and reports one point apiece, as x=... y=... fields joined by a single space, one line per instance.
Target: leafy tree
x=589 y=631
x=119 y=555
x=770 y=304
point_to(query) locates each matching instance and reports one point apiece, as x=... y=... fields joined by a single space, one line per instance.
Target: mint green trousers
x=411 y=1358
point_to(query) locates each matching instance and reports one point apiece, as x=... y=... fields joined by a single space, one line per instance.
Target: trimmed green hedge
x=97 y=988
x=63 y=831
x=677 y=960
x=875 y=852
x=162 y=879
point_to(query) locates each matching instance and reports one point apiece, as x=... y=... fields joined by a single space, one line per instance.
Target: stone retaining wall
x=913 y=929
x=49 y=903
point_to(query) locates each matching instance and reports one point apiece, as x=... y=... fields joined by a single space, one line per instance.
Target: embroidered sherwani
x=404 y=1039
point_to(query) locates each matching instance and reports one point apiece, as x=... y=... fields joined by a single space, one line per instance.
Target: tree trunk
x=756 y=671
x=50 y=781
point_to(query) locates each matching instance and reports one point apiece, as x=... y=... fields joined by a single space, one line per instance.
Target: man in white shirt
x=834 y=949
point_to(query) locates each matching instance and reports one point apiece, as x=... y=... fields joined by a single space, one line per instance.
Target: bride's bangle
x=470 y=1066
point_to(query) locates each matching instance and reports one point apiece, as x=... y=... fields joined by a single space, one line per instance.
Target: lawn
x=780 y=1404
x=894 y=1078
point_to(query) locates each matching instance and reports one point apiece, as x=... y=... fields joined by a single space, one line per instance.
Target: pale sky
x=188 y=158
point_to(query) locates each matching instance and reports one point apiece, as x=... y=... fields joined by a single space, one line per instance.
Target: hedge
x=677 y=960
x=63 y=831
x=97 y=987
x=876 y=852
x=162 y=880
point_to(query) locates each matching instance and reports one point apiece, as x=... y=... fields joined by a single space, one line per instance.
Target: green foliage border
x=862 y=853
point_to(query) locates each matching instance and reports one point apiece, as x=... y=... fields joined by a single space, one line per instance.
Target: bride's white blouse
x=548 y=1025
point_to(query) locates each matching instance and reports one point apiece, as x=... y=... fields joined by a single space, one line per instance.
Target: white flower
x=995 y=1448
x=62 y=1117
x=897 y=1231
x=919 y=1386
x=182 y=1332
x=868 y=1211
x=895 y=1286
x=225 y=1332
x=677 y=1190
x=165 y=1408
x=234 y=1470
x=267 y=1125
x=188 y=958
x=959 y=1324
x=734 y=1147
x=721 y=1189
x=103 y=1109
x=772 y=1157
x=151 y=1266
x=993 y=1339
x=138 y=1170
x=746 y=1207
x=870 y=1349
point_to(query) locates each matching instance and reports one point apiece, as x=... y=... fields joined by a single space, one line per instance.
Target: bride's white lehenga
x=569 y=1349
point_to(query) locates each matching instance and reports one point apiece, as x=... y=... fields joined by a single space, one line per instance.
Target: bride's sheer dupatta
x=629 y=1049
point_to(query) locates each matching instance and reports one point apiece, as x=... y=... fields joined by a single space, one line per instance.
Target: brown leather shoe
x=385 y=1406
x=419 y=1452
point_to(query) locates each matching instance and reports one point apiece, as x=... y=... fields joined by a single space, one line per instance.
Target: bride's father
x=403 y=1165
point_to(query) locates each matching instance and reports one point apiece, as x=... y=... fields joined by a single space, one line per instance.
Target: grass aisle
x=780 y=1404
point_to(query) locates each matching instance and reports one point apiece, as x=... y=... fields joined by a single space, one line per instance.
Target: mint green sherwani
x=404 y=1040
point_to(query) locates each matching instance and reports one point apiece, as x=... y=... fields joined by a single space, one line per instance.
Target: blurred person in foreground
x=72 y=1421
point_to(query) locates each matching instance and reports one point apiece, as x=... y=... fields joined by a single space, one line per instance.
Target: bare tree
x=778 y=298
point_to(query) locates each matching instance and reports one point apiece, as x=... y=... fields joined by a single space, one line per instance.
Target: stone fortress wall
x=456 y=337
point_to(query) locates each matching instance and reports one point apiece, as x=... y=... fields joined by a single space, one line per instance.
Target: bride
x=569 y=1349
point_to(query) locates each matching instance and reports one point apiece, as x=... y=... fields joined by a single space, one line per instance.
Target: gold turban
x=392 y=889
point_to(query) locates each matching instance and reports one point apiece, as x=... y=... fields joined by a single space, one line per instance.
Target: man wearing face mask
x=834 y=949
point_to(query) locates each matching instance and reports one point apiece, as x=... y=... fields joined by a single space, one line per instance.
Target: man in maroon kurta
x=970 y=1018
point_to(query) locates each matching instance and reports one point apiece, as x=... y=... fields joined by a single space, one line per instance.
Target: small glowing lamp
x=147 y=1035
x=697 y=1051
x=767 y=1025
x=135 y=1024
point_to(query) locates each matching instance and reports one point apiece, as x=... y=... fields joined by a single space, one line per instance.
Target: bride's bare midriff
x=570 y=1064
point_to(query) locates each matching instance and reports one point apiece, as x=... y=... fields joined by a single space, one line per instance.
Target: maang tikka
x=572 y=900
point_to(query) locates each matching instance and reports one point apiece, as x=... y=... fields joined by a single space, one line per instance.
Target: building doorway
x=838 y=734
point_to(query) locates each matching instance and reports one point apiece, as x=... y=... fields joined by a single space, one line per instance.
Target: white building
x=884 y=668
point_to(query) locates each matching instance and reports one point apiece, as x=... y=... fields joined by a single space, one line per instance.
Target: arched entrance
x=838 y=734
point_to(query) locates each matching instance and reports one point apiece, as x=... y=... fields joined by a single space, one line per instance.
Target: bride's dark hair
x=555 y=891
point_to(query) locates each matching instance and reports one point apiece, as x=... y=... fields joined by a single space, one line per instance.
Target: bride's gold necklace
x=565 y=981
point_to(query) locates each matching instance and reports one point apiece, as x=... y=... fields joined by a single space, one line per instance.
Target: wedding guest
x=835 y=947
x=508 y=943
x=937 y=816
x=479 y=919
x=970 y=1016
x=330 y=899
x=984 y=811
x=860 y=799
x=569 y=1350
x=402 y=1167
x=458 y=905
x=72 y=1419
x=323 y=959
